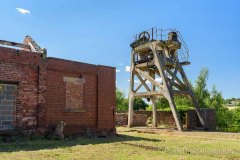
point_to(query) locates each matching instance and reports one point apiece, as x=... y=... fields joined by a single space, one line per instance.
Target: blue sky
x=100 y=32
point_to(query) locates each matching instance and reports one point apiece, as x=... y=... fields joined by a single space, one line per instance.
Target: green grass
x=131 y=144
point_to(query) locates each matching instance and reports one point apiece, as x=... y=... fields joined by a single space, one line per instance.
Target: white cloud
x=23 y=11
x=120 y=64
x=118 y=70
x=159 y=80
x=127 y=68
x=135 y=81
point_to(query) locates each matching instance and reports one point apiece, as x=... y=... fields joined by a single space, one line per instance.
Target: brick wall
x=97 y=84
x=45 y=94
x=106 y=98
x=163 y=117
x=193 y=122
x=55 y=111
x=166 y=118
x=22 y=68
x=140 y=118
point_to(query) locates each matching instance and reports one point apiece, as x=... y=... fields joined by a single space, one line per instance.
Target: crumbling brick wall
x=163 y=117
x=23 y=69
x=193 y=122
x=47 y=92
x=140 y=118
x=166 y=118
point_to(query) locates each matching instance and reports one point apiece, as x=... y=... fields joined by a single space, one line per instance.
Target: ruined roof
x=28 y=45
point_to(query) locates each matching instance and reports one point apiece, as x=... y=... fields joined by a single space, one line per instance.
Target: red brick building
x=36 y=91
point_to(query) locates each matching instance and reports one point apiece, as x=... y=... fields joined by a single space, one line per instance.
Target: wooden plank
x=14 y=44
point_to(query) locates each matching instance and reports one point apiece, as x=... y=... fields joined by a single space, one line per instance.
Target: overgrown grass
x=130 y=144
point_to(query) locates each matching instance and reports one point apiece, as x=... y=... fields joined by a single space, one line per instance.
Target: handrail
x=160 y=34
x=183 y=42
x=184 y=45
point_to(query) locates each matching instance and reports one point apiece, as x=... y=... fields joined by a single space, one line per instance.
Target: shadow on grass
x=39 y=144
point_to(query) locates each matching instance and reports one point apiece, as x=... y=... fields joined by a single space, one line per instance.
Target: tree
x=138 y=104
x=183 y=101
x=162 y=103
x=237 y=116
x=121 y=101
x=225 y=118
x=217 y=100
x=200 y=89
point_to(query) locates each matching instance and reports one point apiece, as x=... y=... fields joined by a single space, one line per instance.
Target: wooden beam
x=168 y=93
x=177 y=85
x=148 y=94
x=179 y=93
x=139 y=86
x=143 y=82
x=150 y=79
x=14 y=44
x=130 y=110
x=177 y=79
x=154 y=111
x=131 y=88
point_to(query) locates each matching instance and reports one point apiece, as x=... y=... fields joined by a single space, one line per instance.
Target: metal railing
x=183 y=53
x=162 y=34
